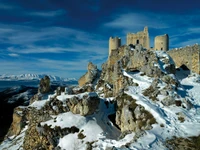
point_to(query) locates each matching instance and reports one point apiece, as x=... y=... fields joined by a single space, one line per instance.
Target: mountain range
x=33 y=77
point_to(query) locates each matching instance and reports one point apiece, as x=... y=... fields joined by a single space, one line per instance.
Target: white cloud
x=13 y=55
x=136 y=21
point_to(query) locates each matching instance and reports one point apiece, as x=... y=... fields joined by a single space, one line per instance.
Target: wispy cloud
x=179 y=26
x=37 y=47
x=13 y=55
x=48 y=13
x=134 y=21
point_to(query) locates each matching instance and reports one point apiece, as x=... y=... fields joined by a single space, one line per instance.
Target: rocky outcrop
x=19 y=121
x=132 y=117
x=126 y=59
x=91 y=75
x=43 y=136
x=32 y=139
x=10 y=99
x=84 y=104
x=44 y=86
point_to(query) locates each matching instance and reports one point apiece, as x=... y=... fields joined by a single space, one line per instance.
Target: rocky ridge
x=135 y=95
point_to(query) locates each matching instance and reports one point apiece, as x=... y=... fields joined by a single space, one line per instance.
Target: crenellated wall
x=189 y=56
x=141 y=37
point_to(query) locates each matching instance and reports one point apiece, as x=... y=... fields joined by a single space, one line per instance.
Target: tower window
x=137 y=42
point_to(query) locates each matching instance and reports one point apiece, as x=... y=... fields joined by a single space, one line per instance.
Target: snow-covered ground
x=101 y=132
x=167 y=115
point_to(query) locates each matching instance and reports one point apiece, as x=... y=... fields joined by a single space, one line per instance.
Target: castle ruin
x=161 y=42
x=141 y=37
x=114 y=43
x=188 y=56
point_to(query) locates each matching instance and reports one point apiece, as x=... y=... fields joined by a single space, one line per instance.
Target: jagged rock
x=83 y=89
x=32 y=139
x=83 y=105
x=10 y=99
x=36 y=97
x=132 y=117
x=91 y=75
x=19 y=121
x=123 y=58
x=44 y=86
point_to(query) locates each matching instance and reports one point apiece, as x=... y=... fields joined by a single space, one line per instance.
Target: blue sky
x=59 y=37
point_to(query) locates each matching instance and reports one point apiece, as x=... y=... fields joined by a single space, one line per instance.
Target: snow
x=167 y=116
x=33 y=77
x=39 y=104
x=163 y=58
x=96 y=127
x=14 y=142
x=100 y=130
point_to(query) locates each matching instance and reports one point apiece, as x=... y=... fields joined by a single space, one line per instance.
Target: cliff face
x=131 y=59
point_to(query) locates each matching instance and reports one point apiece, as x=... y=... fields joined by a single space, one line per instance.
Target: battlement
x=141 y=37
x=188 y=56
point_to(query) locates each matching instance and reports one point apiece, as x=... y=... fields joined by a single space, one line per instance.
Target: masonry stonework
x=188 y=56
x=114 y=43
x=161 y=42
x=141 y=37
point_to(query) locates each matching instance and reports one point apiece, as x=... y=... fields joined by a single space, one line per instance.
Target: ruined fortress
x=188 y=56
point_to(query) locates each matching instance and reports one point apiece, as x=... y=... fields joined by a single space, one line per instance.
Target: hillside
x=139 y=100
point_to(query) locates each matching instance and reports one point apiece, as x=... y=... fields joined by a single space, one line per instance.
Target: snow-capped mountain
x=33 y=77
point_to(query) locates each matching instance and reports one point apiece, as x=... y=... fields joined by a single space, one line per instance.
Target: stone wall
x=114 y=43
x=161 y=42
x=141 y=37
x=188 y=56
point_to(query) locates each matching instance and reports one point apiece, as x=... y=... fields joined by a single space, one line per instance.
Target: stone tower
x=114 y=43
x=141 y=37
x=161 y=42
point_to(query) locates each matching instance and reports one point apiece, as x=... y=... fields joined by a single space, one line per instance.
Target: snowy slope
x=33 y=77
x=101 y=132
x=167 y=115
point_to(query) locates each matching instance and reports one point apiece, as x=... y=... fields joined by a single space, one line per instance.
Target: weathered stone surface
x=188 y=56
x=44 y=86
x=36 y=97
x=32 y=139
x=19 y=121
x=86 y=104
x=129 y=60
x=132 y=117
x=91 y=75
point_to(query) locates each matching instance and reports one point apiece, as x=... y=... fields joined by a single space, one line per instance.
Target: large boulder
x=90 y=76
x=44 y=86
x=19 y=121
x=131 y=116
x=83 y=104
